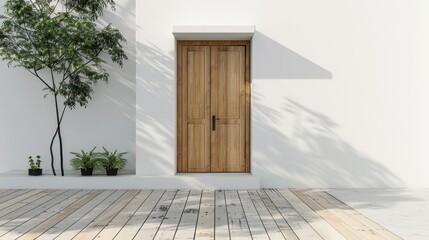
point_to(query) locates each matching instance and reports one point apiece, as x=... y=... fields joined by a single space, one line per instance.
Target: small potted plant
x=112 y=161
x=35 y=169
x=86 y=162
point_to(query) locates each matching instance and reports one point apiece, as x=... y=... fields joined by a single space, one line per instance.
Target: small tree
x=60 y=42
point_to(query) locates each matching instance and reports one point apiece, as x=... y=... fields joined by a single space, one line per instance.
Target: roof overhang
x=213 y=32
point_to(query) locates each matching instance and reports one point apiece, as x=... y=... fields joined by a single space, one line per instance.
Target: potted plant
x=112 y=161
x=86 y=162
x=35 y=169
x=65 y=38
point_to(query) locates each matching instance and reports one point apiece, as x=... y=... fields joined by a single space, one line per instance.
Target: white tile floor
x=405 y=212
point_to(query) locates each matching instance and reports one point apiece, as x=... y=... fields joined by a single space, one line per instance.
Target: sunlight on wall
x=109 y=119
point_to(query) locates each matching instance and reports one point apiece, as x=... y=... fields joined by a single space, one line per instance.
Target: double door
x=213 y=106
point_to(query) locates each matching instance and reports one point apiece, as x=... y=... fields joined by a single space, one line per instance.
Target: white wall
x=339 y=92
x=27 y=120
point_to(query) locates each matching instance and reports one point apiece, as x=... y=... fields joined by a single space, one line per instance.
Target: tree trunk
x=52 y=152
x=52 y=142
x=59 y=134
x=61 y=151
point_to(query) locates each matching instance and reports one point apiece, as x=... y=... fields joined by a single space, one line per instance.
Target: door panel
x=197 y=152
x=228 y=154
x=226 y=83
x=213 y=82
x=196 y=71
x=196 y=108
x=228 y=106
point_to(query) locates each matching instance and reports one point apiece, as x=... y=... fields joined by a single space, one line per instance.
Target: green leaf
x=112 y=160
x=35 y=36
x=85 y=160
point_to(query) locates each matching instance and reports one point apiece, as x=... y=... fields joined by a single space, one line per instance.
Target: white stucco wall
x=339 y=92
x=27 y=120
x=339 y=88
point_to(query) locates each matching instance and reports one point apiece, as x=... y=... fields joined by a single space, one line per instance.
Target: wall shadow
x=156 y=108
x=109 y=119
x=293 y=145
x=301 y=146
x=275 y=61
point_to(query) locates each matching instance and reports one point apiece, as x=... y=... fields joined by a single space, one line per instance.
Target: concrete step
x=178 y=181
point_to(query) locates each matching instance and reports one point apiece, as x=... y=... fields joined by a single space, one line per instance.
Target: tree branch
x=53 y=10
x=31 y=39
x=62 y=55
x=41 y=79
x=23 y=28
x=34 y=5
x=83 y=65
x=62 y=114
x=19 y=46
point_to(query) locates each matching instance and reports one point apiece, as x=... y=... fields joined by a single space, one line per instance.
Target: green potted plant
x=86 y=162
x=65 y=39
x=112 y=161
x=35 y=169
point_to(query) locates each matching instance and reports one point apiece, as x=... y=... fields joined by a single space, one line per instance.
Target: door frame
x=181 y=164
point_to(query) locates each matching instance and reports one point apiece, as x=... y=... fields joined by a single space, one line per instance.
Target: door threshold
x=213 y=174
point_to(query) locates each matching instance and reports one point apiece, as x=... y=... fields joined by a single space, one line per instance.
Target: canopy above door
x=213 y=32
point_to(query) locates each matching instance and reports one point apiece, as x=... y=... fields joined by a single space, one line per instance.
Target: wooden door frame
x=181 y=164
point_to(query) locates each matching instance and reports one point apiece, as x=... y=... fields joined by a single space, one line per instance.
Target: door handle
x=214 y=118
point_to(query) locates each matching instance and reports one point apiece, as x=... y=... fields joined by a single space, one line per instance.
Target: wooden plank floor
x=182 y=214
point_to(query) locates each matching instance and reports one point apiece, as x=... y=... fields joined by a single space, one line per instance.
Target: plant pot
x=112 y=172
x=34 y=172
x=87 y=171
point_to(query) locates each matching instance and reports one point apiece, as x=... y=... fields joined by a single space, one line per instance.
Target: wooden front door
x=213 y=106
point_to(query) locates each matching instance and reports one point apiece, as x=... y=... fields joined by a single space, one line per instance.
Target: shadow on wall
x=292 y=145
x=156 y=82
x=115 y=101
x=295 y=144
x=157 y=118
x=300 y=146
x=126 y=75
x=275 y=61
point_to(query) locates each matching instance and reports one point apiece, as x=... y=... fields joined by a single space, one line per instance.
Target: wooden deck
x=181 y=214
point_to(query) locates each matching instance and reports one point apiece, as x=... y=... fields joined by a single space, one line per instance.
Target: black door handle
x=214 y=122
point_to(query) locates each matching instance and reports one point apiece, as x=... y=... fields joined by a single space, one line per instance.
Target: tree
x=60 y=42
